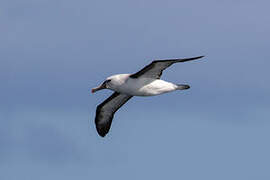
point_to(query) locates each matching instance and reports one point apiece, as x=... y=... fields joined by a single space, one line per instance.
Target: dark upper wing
x=106 y=110
x=154 y=69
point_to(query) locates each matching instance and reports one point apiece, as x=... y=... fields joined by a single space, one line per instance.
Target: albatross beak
x=102 y=86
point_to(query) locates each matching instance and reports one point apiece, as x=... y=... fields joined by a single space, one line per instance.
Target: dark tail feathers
x=182 y=86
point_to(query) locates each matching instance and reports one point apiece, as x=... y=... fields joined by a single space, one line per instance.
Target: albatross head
x=104 y=85
x=112 y=82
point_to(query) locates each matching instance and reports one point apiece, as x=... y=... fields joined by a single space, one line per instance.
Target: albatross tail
x=182 y=86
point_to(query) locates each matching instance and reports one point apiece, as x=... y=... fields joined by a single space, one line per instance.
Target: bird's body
x=122 y=83
x=145 y=82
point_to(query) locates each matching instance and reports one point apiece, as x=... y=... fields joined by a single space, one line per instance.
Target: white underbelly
x=146 y=87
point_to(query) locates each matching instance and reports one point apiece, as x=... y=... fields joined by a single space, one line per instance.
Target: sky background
x=52 y=52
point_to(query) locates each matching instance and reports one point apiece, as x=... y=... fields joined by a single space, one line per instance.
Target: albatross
x=145 y=82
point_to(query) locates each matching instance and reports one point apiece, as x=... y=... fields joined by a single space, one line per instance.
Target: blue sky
x=53 y=52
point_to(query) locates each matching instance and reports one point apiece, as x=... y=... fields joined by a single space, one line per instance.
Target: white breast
x=143 y=86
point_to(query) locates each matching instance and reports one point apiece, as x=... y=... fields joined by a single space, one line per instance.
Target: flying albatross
x=145 y=82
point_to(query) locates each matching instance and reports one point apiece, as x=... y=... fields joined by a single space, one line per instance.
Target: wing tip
x=197 y=57
x=102 y=134
x=201 y=56
x=102 y=131
x=179 y=60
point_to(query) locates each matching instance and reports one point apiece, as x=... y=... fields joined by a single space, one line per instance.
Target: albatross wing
x=154 y=69
x=105 y=111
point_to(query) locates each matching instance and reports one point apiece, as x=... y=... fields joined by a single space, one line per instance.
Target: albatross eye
x=106 y=81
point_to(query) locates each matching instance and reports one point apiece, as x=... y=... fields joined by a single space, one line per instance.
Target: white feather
x=122 y=83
